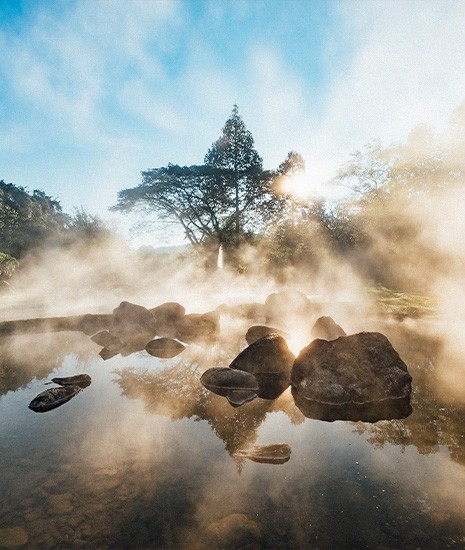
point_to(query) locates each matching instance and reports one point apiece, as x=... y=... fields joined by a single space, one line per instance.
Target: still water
x=145 y=457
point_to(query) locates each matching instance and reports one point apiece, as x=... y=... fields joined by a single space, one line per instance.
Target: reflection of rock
x=201 y=328
x=270 y=361
x=359 y=377
x=166 y=317
x=164 y=348
x=13 y=537
x=233 y=531
x=53 y=398
x=81 y=380
x=266 y=454
x=237 y=386
x=259 y=331
x=106 y=353
x=107 y=340
x=326 y=329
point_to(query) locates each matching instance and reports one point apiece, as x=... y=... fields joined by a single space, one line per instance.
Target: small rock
x=81 y=380
x=53 y=398
x=61 y=503
x=259 y=331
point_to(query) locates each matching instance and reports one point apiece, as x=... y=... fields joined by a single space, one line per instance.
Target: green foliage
x=27 y=220
x=7 y=266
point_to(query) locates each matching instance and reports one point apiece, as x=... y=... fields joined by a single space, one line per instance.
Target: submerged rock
x=53 y=398
x=270 y=361
x=266 y=454
x=326 y=328
x=81 y=380
x=164 y=348
x=259 y=331
x=13 y=537
x=238 y=387
x=359 y=377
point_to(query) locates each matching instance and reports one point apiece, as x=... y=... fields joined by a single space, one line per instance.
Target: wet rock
x=223 y=381
x=108 y=340
x=53 y=398
x=13 y=537
x=266 y=454
x=326 y=328
x=201 y=328
x=132 y=321
x=61 y=503
x=166 y=318
x=359 y=377
x=81 y=380
x=233 y=531
x=270 y=361
x=165 y=348
x=259 y=331
x=237 y=398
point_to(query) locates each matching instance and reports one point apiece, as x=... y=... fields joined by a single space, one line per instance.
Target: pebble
x=61 y=503
x=13 y=537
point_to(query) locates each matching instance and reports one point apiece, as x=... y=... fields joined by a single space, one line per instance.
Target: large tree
x=223 y=201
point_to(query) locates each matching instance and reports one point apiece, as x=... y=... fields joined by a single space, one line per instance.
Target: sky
x=92 y=92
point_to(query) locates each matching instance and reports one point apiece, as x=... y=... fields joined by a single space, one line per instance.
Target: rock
x=253 y=311
x=201 y=328
x=166 y=317
x=326 y=329
x=259 y=331
x=284 y=307
x=53 y=398
x=81 y=380
x=61 y=503
x=359 y=377
x=238 y=398
x=223 y=381
x=233 y=531
x=270 y=361
x=106 y=353
x=13 y=537
x=132 y=321
x=165 y=348
x=91 y=323
x=266 y=454
x=108 y=340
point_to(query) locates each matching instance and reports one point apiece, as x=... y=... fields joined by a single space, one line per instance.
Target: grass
x=402 y=304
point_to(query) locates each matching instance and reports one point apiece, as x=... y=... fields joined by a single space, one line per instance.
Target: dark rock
x=270 y=361
x=359 y=377
x=240 y=397
x=108 y=340
x=131 y=321
x=165 y=348
x=224 y=380
x=266 y=454
x=166 y=317
x=201 y=328
x=326 y=329
x=81 y=380
x=53 y=398
x=259 y=331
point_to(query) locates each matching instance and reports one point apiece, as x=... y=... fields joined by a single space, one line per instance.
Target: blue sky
x=94 y=91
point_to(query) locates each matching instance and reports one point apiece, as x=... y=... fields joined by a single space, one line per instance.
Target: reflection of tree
x=435 y=421
x=177 y=392
x=29 y=356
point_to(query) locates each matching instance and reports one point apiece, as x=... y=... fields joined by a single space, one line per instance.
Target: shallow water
x=145 y=458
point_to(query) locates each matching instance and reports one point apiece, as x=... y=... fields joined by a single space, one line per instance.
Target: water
x=145 y=458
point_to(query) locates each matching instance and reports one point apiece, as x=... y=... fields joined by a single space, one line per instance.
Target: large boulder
x=199 y=328
x=166 y=318
x=288 y=307
x=270 y=361
x=134 y=325
x=359 y=377
x=326 y=328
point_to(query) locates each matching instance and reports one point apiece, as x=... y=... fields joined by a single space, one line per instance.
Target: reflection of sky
x=115 y=474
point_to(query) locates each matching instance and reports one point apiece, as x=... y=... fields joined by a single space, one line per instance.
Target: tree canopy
x=223 y=201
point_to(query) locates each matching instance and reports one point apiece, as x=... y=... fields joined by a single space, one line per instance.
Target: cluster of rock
x=68 y=388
